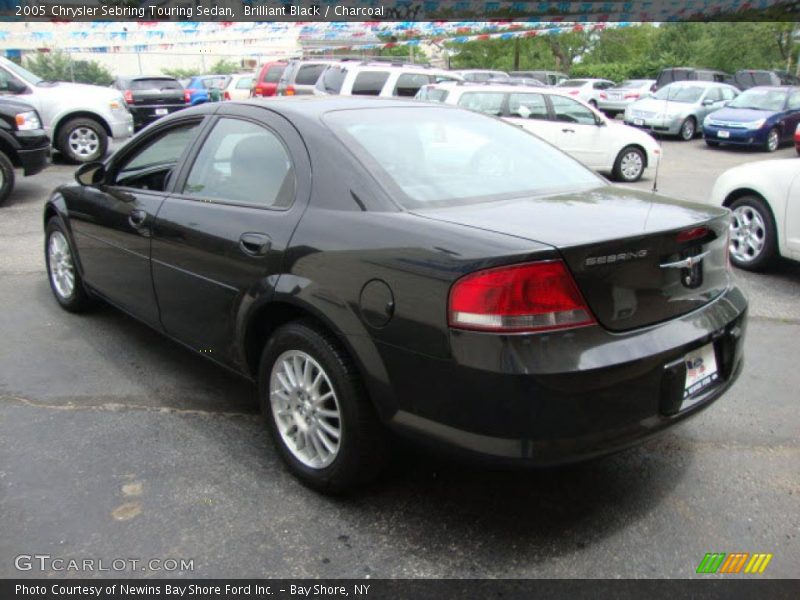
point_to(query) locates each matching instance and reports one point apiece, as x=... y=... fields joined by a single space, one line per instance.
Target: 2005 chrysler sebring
x=380 y=265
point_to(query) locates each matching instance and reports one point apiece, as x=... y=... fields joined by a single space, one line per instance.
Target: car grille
x=726 y=124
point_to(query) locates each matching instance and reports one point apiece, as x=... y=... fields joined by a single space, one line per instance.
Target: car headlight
x=28 y=120
x=755 y=124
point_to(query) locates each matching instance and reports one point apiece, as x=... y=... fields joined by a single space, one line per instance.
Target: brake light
x=289 y=91
x=603 y=96
x=574 y=92
x=226 y=95
x=687 y=235
x=128 y=95
x=187 y=96
x=539 y=296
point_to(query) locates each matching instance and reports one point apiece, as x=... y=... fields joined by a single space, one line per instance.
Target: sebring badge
x=614 y=258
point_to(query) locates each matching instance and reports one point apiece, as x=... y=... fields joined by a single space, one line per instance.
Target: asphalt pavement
x=116 y=443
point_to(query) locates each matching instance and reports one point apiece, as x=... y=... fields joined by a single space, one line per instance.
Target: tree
x=59 y=66
x=224 y=67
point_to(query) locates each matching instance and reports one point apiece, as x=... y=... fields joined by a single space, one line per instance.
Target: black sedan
x=383 y=266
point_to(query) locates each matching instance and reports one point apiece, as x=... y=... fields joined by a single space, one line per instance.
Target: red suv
x=266 y=82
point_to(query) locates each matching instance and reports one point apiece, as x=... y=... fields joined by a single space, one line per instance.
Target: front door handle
x=567 y=130
x=255 y=244
x=137 y=218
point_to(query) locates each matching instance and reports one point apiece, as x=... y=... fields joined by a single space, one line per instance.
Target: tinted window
x=486 y=102
x=155 y=84
x=408 y=84
x=527 y=106
x=429 y=156
x=331 y=80
x=273 y=74
x=150 y=167
x=569 y=111
x=308 y=74
x=369 y=83
x=244 y=163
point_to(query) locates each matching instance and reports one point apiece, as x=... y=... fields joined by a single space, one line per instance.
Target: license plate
x=614 y=96
x=162 y=111
x=638 y=121
x=701 y=370
x=724 y=134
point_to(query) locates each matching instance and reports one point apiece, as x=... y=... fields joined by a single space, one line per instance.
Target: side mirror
x=708 y=102
x=91 y=173
x=599 y=121
x=14 y=86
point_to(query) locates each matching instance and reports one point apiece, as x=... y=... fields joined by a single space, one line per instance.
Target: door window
x=569 y=111
x=714 y=94
x=408 y=84
x=244 y=163
x=308 y=74
x=527 y=106
x=486 y=102
x=369 y=83
x=150 y=167
x=728 y=94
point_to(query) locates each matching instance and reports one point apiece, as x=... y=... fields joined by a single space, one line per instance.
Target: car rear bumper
x=743 y=137
x=553 y=398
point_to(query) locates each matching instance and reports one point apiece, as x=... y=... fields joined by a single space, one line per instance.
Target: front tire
x=82 y=140
x=629 y=165
x=773 y=140
x=321 y=420
x=754 y=240
x=6 y=178
x=62 y=273
x=688 y=129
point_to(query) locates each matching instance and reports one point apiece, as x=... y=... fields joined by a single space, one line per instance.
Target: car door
x=578 y=133
x=113 y=221
x=530 y=111
x=219 y=240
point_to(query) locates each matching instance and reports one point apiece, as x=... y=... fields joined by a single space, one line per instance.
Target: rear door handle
x=567 y=130
x=255 y=244
x=137 y=218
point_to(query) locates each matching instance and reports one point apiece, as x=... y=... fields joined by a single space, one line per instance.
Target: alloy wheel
x=748 y=234
x=83 y=142
x=305 y=409
x=62 y=268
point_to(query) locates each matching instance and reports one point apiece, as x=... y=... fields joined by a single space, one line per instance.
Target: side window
x=714 y=94
x=244 y=163
x=273 y=74
x=486 y=102
x=794 y=101
x=308 y=74
x=369 y=83
x=569 y=111
x=244 y=83
x=149 y=168
x=728 y=94
x=527 y=106
x=408 y=84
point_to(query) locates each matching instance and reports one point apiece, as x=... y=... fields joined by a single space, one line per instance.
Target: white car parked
x=765 y=199
x=570 y=125
x=78 y=118
x=385 y=79
x=587 y=90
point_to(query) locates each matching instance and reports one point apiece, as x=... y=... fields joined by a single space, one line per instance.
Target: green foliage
x=181 y=73
x=224 y=67
x=57 y=66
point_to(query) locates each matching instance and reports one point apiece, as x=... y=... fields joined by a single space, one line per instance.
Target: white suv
x=78 y=118
x=386 y=79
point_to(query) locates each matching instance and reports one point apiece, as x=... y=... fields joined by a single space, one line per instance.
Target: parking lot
x=117 y=443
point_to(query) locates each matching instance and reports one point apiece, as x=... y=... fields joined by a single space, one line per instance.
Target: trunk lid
x=629 y=251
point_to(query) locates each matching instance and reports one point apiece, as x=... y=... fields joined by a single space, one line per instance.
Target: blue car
x=206 y=88
x=763 y=116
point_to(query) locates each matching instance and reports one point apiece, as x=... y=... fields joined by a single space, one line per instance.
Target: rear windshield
x=435 y=157
x=156 y=84
x=273 y=74
x=308 y=74
x=572 y=83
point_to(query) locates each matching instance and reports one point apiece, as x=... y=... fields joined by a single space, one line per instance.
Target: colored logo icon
x=735 y=562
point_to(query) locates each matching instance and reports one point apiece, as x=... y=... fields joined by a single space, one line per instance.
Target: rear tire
x=629 y=165
x=82 y=140
x=688 y=129
x=301 y=417
x=754 y=239
x=62 y=273
x=6 y=177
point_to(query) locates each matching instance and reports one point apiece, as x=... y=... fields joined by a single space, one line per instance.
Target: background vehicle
x=526 y=81
x=546 y=77
x=23 y=143
x=748 y=78
x=674 y=74
x=77 y=118
x=765 y=199
x=300 y=76
x=266 y=80
x=479 y=75
x=797 y=139
x=587 y=90
x=761 y=116
x=679 y=108
x=616 y=99
x=150 y=98
x=238 y=87
x=567 y=123
x=384 y=79
x=458 y=261
x=206 y=88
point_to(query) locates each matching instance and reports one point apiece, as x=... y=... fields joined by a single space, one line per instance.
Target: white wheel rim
x=631 y=165
x=748 y=234
x=305 y=409
x=83 y=141
x=62 y=269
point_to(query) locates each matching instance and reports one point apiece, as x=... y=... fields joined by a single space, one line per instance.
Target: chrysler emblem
x=691 y=274
x=687 y=263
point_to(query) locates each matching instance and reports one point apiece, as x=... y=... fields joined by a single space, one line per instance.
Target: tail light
x=603 y=95
x=226 y=95
x=128 y=95
x=574 y=92
x=187 y=96
x=688 y=235
x=289 y=91
x=540 y=296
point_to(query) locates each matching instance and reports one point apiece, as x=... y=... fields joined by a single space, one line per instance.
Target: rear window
x=572 y=83
x=332 y=80
x=369 y=83
x=155 y=84
x=408 y=84
x=273 y=74
x=437 y=157
x=308 y=74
